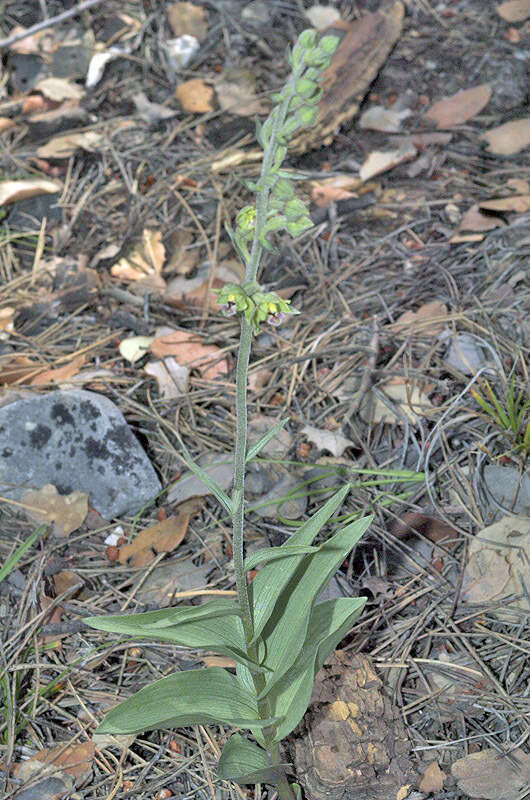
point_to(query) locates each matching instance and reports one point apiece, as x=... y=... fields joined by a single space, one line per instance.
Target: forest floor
x=406 y=373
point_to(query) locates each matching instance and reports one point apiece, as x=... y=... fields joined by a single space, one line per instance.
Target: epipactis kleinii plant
x=277 y=631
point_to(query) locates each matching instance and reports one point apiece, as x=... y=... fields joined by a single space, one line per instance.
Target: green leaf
x=329 y=622
x=216 y=625
x=194 y=697
x=244 y=762
x=264 y=440
x=270 y=581
x=286 y=629
x=11 y=562
x=214 y=487
x=266 y=554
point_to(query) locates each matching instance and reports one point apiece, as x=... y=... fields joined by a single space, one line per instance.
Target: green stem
x=238 y=493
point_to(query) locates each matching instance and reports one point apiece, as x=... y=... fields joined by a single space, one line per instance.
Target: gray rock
x=75 y=440
x=505 y=487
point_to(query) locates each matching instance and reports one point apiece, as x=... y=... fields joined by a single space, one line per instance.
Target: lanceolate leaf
x=258 y=446
x=214 y=626
x=212 y=485
x=286 y=628
x=244 y=762
x=328 y=624
x=266 y=554
x=194 y=697
x=269 y=582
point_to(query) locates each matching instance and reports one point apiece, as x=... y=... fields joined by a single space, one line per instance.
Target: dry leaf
x=322 y=16
x=380 y=161
x=497 y=563
x=151 y=112
x=74 y=760
x=187 y=19
x=411 y=402
x=58 y=89
x=460 y=107
x=258 y=379
x=219 y=661
x=145 y=262
x=236 y=93
x=412 y=523
x=427 y=321
x=172 y=377
x=66 y=579
x=333 y=441
x=6 y=318
x=332 y=189
x=518 y=185
x=12 y=191
x=59 y=374
x=163 y=537
x=6 y=123
x=379 y=118
x=182 y=291
x=189 y=350
x=66 y=145
x=510 y=138
x=19 y=370
x=514 y=10
x=474 y=220
x=182 y=258
x=518 y=203
x=195 y=96
x=135 y=347
x=67 y=512
x=432 y=779
x=488 y=775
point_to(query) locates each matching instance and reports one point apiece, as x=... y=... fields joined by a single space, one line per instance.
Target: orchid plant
x=277 y=631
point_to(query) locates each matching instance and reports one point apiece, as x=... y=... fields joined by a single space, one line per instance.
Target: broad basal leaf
x=287 y=626
x=271 y=579
x=194 y=697
x=216 y=625
x=244 y=762
x=329 y=623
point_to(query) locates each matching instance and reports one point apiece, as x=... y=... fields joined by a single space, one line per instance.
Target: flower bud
x=283 y=189
x=306 y=87
x=328 y=44
x=307 y=38
x=306 y=114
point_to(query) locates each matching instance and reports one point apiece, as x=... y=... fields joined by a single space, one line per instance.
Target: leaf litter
x=117 y=174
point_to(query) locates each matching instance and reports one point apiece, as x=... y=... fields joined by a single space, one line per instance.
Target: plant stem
x=238 y=493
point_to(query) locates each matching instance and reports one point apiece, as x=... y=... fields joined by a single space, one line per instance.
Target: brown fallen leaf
x=332 y=189
x=189 y=349
x=66 y=512
x=66 y=579
x=333 y=441
x=219 y=661
x=236 y=93
x=171 y=377
x=408 y=399
x=18 y=370
x=182 y=258
x=497 y=566
x=427 y=321
x=518 y=203
x=144 y=264
x=6 y=123
x=187 y=19
x=182 y=291
x=59 y=374
x=432 y=779
x=66 y=145
x=6 y=318
x=382 y=160
x=74 y=760
x=162 y=537
x=12 y=191
x=518 y=185
x=510 y=138
x=412 y=522
x=488 y=774
x=475 y=220
x=195 y=96
x=460 y=107
x=514 y=10
x=59 y=89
